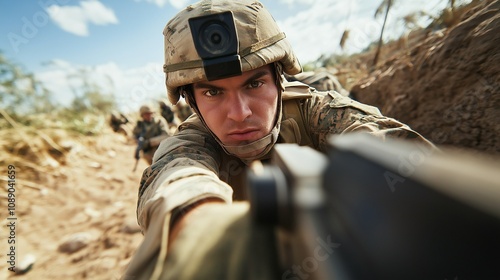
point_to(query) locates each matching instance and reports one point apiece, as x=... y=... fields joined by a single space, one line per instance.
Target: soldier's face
x=147 y=116
x=241 y=109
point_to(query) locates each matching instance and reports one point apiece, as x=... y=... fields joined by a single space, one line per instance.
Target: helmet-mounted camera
x=216 y=42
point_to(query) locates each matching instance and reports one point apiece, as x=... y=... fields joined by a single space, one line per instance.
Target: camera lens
x=215 y=38
x=216 y=42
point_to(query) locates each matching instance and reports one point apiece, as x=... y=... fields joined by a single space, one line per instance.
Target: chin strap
x=247 y=152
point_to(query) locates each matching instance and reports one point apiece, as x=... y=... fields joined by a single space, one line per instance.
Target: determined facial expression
x=241 y=109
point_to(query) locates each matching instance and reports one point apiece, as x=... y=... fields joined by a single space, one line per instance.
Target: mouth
x=246 y=135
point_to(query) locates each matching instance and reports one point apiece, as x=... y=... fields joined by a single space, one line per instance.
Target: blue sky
x=120 y=43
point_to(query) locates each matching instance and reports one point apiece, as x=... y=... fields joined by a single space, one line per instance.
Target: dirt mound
x=77 y=221
x=447 y=86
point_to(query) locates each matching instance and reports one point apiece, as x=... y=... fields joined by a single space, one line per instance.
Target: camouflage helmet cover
x=145 y=109
x=260 y=42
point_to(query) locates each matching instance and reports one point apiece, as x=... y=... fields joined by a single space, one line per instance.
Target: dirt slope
x=447 y=87
x=93 y=196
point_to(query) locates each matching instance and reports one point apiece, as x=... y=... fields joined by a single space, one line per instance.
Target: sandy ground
x=91 y=201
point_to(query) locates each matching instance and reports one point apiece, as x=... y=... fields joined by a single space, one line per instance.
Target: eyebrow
x=263 y=72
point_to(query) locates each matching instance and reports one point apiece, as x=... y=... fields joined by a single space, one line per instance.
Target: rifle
x=124 y=119
x=140 y=144
x=379 y=210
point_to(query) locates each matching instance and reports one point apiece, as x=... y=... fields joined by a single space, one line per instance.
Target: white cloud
x=317 y=28
x=76 y=19
x=294 y=2
x=178 y=4
x=131 y=87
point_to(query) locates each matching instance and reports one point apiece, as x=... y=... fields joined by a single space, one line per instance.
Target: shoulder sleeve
x=332 y=113
x=185 y=170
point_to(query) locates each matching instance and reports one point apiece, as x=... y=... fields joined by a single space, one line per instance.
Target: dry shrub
x=46 y=145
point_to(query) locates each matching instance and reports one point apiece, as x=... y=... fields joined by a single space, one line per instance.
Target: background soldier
x=168 y=114
x=149 y=133
x=182 y=110
x=117 y=122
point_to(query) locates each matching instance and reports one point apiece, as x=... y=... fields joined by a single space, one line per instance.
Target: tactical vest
x=150 y=130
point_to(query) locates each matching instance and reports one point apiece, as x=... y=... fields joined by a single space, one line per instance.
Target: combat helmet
x=145 y=109
x=259 y=41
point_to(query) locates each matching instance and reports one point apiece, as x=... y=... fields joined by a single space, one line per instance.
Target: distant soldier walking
x=149 y=133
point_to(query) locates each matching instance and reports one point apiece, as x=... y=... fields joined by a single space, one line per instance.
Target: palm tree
x=387 y=5
x=344 y=38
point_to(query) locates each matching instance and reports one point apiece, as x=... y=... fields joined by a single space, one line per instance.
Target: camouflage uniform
x=153 y=132
x=194 y=165
x=166 y=112
x=188 y=165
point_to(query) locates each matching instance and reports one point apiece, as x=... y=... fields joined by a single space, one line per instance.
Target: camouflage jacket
x=191 y=166
x=154 y=131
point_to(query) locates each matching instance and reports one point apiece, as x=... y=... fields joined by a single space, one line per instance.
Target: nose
x=238 y=107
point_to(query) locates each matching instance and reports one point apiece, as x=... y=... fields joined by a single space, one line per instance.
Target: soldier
x=168 y=114
x=182 y=110
x=149 y=133
x=117 y=122
x=232 y=79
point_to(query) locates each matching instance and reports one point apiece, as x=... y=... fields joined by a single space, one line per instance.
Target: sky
x=118 y=44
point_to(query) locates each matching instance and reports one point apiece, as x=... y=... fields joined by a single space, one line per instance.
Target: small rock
x=119 y=180
x=94 y=164
x=79 y=218
x=91 y=212
x=104 y=176
x=111 y=153
x=44 y=192
x=25 y=265
x=75 y=242
x=108 y=243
